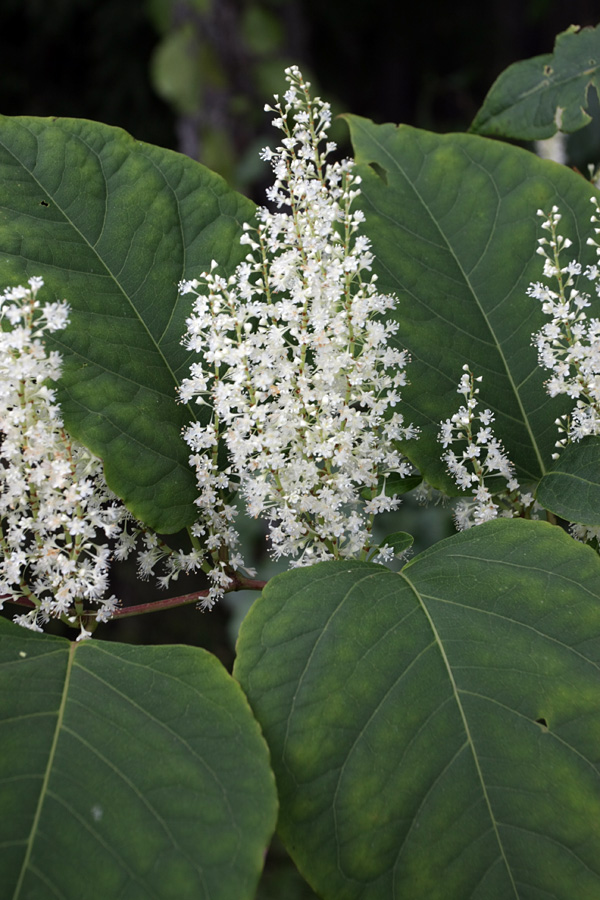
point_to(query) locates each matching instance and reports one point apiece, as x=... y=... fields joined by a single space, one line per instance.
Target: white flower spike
x=295 y=355
x=569 y=344
x=482 y=457
x=56 y=513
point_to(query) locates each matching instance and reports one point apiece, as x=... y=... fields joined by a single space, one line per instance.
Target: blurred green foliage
x=193 y=75
x=215 y=64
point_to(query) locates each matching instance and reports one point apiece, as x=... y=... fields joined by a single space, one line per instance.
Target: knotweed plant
x=569 y=344
x=294 y=355
x=481 y=461
x=56 y=513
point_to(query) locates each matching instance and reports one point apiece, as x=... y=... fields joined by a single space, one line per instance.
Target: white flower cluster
x=295 y=355
x=213 y=536
x=55 y=508
x=569 y=345
x=483 y=458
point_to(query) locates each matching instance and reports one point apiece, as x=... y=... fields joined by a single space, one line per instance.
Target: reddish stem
x=238 y=583
x=22 y=601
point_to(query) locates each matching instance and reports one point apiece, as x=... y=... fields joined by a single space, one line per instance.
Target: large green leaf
x=533 y=99
x=113 y=225
x=435 y=734
x=133 y=772
x=453 y=223
x=571 y=489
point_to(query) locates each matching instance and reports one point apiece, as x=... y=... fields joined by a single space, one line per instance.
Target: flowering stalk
x=569 y=345
x=483 y=458
x=56 y=512
x=295 y=355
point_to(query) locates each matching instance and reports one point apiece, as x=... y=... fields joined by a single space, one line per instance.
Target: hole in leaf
x=548 y=70
x=379 y=171
x=542 y=722
x=44 y=203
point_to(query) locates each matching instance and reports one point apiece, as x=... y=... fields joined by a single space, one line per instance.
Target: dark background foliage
x=193 y=75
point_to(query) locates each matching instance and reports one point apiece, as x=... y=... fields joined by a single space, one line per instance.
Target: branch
x=238 y=583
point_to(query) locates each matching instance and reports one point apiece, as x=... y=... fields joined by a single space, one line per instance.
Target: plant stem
x=21 y=601
x=238 y=583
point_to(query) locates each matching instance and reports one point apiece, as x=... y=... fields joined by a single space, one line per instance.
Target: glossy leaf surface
x=435 y=734
x=139 y=771
x=113 y=225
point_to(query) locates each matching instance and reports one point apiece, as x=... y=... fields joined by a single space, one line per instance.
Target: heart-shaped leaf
x=452 y=219
x=435 y=734
x=113 y=225
x=133 y=772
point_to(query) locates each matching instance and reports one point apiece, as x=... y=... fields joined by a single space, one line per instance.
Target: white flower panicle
x=295 y=354
x=56 y=512
x=214 y=538
x=482 y=458
x=569 y=345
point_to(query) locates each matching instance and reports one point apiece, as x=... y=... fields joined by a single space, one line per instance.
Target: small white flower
x=84 y=634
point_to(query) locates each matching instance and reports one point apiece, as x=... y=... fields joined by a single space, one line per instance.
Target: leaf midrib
x=459 y=705
x=47 y=774
x=548 y=81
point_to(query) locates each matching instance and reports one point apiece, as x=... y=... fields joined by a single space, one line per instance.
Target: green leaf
x=435 y=733
x=393 y=485
x=113 y=225
x=399 y=542
x=572 y=488
x=139 y=771
x=534 y=99
x=452 y=219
